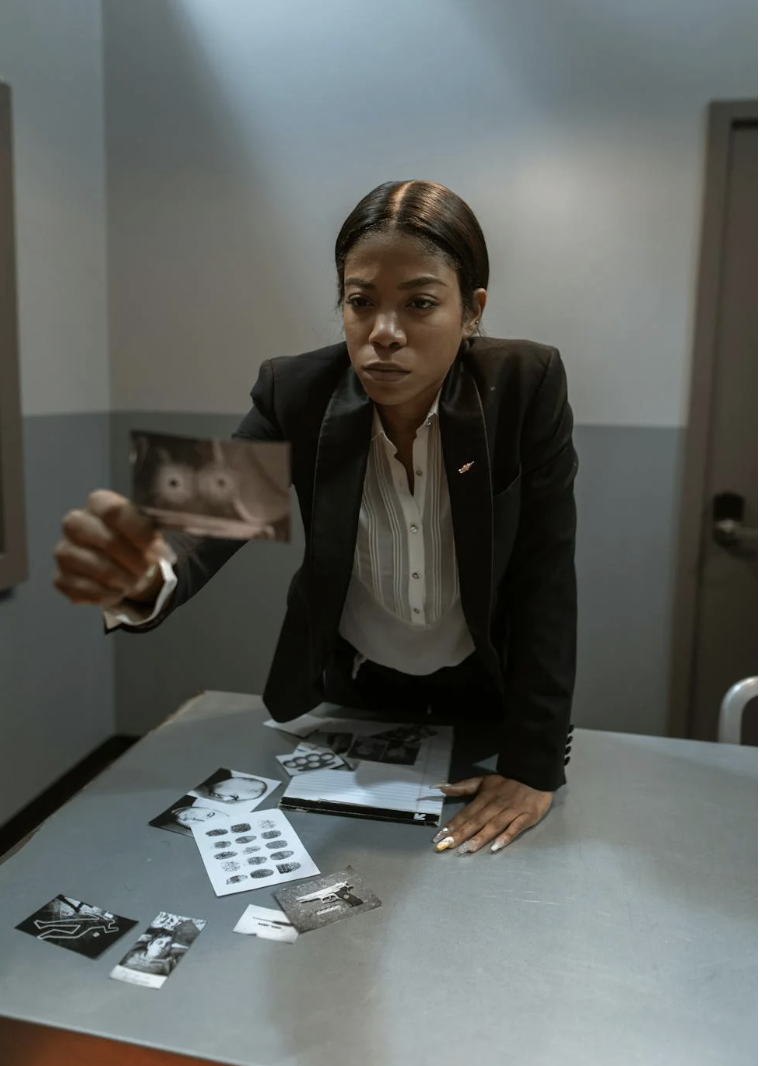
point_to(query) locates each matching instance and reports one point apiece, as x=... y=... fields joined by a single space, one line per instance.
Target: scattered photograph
x=219 y=800
x=262 y=850
x=75 y=925
x=233 y=489
x=188 y=811
x=159 y=950
x=307 y=757
x=228 y=789
x=326 y=899
x=400 y=746
x=268 y=923
x=340 y=743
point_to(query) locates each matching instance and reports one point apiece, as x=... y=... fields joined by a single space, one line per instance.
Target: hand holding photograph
x=234 y=489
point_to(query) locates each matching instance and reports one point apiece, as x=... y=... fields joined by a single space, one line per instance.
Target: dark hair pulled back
x=436 y=216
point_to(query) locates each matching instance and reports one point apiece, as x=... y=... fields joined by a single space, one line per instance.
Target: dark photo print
x=234 y=489
x=337 y=742
x=70 y=923
x=318 y=901
x=400 y=746
x=186 y=812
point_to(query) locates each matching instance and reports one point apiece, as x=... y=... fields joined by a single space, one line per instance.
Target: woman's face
x=402 y=316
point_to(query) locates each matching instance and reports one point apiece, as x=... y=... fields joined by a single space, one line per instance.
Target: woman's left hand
x=501 y=810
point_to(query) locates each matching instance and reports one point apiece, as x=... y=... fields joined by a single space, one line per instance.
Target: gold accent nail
x=444 y=844
x=466 y=467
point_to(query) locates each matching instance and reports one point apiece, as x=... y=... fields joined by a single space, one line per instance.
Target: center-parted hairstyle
x=436 y=216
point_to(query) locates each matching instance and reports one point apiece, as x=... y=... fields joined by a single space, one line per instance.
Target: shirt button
x=415 y=575
x=416 y=610
x=418 y=473
x=413 y=529
x=429 y=422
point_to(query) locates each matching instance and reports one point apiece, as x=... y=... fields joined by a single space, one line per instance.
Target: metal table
x=622 y=930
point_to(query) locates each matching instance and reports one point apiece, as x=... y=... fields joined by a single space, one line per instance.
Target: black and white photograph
x=308 y=757
x=329 y=898
x=267 y=923
x=159 y=950
x=77 y=926
x=187 y=811
x=263 y=850
x=338 y=742
x=233 y=489
x=231 y=789
x=400 y=746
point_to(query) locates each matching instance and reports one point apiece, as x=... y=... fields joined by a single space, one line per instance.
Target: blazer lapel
x=341 y=463
x=468 y=471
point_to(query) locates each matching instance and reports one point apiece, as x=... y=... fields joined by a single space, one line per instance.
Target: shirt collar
x=377 y=425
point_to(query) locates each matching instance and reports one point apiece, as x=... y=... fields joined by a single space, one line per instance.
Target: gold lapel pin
x=466 y=467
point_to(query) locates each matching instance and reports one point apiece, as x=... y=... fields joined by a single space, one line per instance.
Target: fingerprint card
x=261 y=849
x=159 y=950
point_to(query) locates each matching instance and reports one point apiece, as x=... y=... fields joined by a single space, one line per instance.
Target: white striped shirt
x=403 y=608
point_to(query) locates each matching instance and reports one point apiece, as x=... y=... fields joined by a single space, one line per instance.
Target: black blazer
x=504 y=410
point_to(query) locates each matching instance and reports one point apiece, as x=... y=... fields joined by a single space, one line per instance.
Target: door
x=718 y=566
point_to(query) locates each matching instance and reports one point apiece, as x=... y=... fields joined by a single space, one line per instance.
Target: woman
x=434 y=470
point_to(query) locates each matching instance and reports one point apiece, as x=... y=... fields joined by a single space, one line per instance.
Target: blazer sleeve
x=199 y=558
x=540 y=588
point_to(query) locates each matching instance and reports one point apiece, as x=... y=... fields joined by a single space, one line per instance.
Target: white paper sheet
x=307 y=724
x=307 y=758
x=261 y=850
x=380 y=788
x=268 y=923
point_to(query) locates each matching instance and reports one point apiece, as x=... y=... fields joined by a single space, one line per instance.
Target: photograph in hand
x=234 y=489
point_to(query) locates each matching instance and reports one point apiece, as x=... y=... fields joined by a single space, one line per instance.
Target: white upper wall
x=51 y=56
x=240 y=134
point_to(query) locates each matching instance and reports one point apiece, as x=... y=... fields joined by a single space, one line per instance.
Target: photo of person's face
x=237 y=790
x=159 y=947
x=197 y=815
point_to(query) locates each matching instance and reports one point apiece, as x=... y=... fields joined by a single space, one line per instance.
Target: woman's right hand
x=110 y=552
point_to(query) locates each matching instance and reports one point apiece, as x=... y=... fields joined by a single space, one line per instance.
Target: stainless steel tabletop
x=622 y=930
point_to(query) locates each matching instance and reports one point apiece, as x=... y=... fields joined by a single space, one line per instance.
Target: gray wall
x=247 y=132
x=56 y=670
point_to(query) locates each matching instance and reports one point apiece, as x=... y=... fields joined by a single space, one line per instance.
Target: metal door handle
x=728 y=529
x=733 y=535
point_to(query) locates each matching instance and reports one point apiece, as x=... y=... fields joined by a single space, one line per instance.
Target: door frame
x=722 y=118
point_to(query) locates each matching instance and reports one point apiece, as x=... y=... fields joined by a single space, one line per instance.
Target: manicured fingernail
x=440 y=834
x=466 y=848
x=443 y=784
x=444 y=844
x=498 y=845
